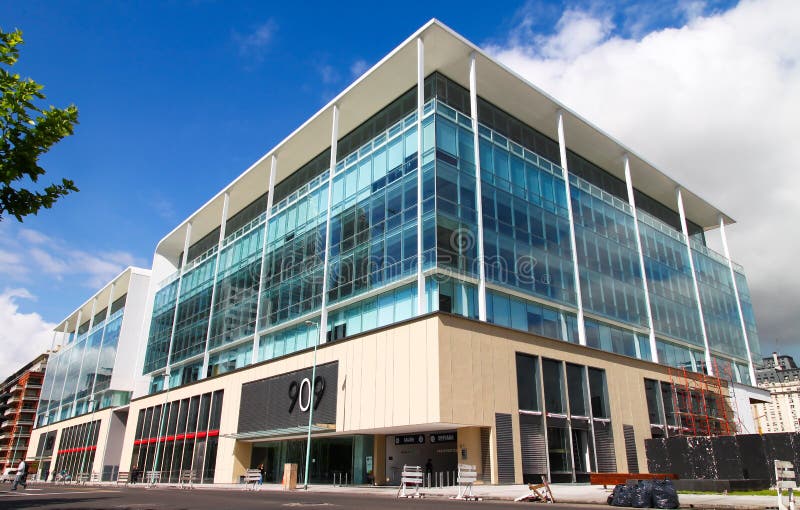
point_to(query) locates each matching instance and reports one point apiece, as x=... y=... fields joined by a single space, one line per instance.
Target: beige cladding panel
x=103 y=416
x=478 y=379
x=386 y=378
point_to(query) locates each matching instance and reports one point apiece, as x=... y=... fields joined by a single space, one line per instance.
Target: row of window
x=76 y=449
x=79 y=375
x=374 y=242
x=179 y=437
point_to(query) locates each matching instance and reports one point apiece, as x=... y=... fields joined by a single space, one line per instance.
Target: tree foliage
x=27 y=132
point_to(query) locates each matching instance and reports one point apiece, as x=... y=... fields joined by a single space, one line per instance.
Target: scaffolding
x=701 y=404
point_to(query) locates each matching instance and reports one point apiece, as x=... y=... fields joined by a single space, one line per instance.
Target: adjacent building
x=82 y=413
x=19 y=397
x=781 y=376
x=443 y=263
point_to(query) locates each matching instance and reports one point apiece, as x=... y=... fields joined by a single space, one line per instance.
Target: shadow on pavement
x=52 y=502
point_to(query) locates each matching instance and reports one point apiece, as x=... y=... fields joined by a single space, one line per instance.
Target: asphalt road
x=140 y=498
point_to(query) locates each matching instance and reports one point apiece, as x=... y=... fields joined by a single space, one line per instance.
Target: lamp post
x=310 y=405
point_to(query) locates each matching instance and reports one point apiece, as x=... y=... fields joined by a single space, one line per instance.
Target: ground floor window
x=76 y=450
x=179 y=437
x=345 y=458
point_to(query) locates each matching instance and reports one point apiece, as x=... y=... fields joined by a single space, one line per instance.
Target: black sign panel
x=284 y=400
x=410 y=439
x=443 y=437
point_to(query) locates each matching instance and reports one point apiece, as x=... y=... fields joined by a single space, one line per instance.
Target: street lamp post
x=310 y=405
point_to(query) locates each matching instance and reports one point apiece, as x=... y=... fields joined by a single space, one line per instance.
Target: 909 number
x=300 y=393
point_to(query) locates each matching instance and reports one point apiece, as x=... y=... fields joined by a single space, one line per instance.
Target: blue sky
x=177 y=98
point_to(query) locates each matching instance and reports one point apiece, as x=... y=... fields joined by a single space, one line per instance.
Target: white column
x=632 y=203
x=64 y=386
x=562 y=150
x=421 y=301
x=85 y=347
x=750 y=367
x=685 y=229
x=186 y=243
x=270 y=192
x=323 y=316
x=473 y=108
x=222 y=222
x=102 y=340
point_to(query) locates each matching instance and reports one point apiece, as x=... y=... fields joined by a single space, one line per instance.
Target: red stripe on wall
x=81 y=449
x=178 y=437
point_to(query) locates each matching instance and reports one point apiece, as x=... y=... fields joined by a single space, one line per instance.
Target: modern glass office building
x=90 y=379
x=489 y=279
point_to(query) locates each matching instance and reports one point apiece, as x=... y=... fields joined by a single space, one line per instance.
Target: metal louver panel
x=486 y=459
x=534 y=446
x=604 y=447
x=630 y=449
x=505 y=448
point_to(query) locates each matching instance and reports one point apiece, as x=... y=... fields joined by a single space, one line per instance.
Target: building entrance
x=417 y=449
x=347 y=457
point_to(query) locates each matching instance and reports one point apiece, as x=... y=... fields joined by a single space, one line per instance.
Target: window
x=598 y=393
x=553 y=382
x=651 y=389
x=577 y=390
x=527 y=383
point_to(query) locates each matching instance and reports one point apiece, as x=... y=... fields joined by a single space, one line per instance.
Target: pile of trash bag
x=645 y=494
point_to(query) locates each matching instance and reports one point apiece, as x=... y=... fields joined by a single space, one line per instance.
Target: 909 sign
x=300 y=393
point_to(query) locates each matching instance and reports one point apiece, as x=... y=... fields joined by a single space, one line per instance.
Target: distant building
x=19 y=397
x=781 y=376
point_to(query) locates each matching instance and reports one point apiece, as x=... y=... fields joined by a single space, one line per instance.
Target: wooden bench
x=186 y=480
x=123 y=477
x=606 y=479
x=411 y=477
x=467 y=476
x=252 y=480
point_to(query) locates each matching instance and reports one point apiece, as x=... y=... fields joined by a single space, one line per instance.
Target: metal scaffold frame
x=700 y=403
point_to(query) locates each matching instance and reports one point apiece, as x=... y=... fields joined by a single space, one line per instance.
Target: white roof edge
x=432 y=22
x=623 y=148
x=129 y=269
x=308 y=121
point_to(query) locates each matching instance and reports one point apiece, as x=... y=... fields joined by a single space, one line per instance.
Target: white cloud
x=26 y=254
x=22 y=335
x=253 y=44
x=358 y=68
x=714 y=103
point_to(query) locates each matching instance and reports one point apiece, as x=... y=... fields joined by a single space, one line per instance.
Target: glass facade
x=79 y=374
x=178 y=437
x=266 y=278
x=76 y=450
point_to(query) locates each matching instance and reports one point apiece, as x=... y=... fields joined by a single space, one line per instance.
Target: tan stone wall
x=386 y=378
x=478 y=379
x=435 y=370
x=104 y=416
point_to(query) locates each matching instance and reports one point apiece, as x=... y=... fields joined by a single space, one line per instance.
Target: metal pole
x=310 y=415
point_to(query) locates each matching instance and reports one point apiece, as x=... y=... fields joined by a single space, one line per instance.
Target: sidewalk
x=563 y=493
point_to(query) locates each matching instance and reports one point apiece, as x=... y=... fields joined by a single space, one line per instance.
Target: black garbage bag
x=622 y=495
x=643 y=494
x=664 y=494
